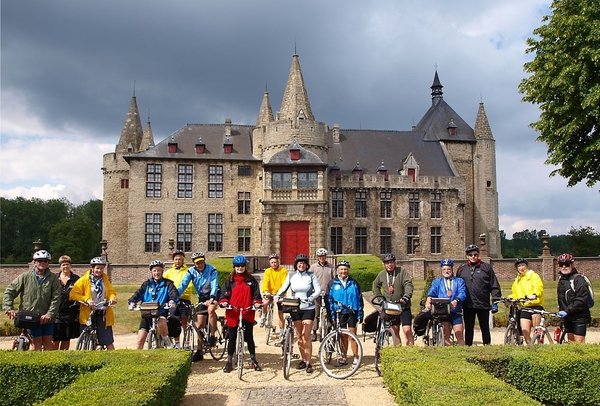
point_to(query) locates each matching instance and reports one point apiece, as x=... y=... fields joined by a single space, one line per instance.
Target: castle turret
x=295 y=102
x=132 y=133
x=147 y=138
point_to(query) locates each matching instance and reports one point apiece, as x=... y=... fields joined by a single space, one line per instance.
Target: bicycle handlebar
x=542 y=312
x=509 y=300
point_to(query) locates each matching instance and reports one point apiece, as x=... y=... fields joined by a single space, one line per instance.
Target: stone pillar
x=416 y=245
x=546 y=248
x=483 y=250
x=103 y=246
x=171 y=245
x=37 y=245
x=548 y=270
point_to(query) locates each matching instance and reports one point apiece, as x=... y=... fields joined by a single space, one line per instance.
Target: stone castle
x=290 y=184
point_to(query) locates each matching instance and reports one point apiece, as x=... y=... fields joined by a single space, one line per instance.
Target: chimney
x=336 y=133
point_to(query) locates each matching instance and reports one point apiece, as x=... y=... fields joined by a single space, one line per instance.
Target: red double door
x=294 y=240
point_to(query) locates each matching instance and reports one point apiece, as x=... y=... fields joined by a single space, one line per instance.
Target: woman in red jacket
x=241 y=290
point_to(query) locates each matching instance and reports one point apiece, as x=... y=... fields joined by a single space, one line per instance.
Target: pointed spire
x=436 y=89
x=265 y=114
x=148 y=137
x=482 y=125
x=132 y=133
x=295 y=101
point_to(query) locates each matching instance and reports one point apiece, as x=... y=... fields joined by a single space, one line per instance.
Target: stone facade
x=292 y=184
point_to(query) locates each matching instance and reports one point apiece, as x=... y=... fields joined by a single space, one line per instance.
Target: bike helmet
x=343 y=262
x=156 y=262
x=178 y=252
x=564 y=258
x=471 y=247
x=198 y=256
x=239 y=260
x=446 y=262
x=273 y=256
x=98 y=261
x=321 y=251
x=301 y=258
x=42 y=254
x=388 y=257
x=521 y=261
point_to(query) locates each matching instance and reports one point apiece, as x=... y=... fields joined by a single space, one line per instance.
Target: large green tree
x=565 y=83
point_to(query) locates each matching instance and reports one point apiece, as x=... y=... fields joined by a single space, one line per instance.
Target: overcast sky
x=69 y=68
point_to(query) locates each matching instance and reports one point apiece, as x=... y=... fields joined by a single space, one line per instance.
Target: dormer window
x=228 y=146
x=451 y=128
x=294 y=154
x=172 y=145
x=301 y=115
x=130 y=148
x=382 y=170
x=411 y=167
x=200 y=146
x=358 y=170
x=335 y=171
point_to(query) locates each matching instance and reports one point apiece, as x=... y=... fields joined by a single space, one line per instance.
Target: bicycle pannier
x=370 y=323
x=150 y=309
x=420 y=322
x=392 y=309
x=440 y=306
x=290 y=305
x=27 y=319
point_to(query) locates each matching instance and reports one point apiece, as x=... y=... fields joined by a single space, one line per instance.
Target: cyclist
x=304 y=285
x=94 y=288
x=481 y=282
x=325 y=273
x=454 y=289
x=528 y=284
x=204 y=277
x=345 y=289
x=40 y=291
x=395 y=284
x=572 y=299
x=176 y=274
x=241 y=290
x=273 y=279
x=66 y=325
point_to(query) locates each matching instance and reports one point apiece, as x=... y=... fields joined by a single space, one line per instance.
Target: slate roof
x=435 y=122
x=306 y=157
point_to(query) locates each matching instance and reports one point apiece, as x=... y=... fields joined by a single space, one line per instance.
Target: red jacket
x=240 y=293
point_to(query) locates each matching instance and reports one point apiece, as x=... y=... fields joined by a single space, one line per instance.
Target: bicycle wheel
x=93 y=341
x=240 y=352
x=152 y=340
x=189 y=339
x=385 y=339
x=218 y=350
x=288 y=348
x=439 y=335
x=511 y=335
x=82 y=341
x=334 y=344
x=19 y=344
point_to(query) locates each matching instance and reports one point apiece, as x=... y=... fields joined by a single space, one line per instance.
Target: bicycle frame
x=239 y=342
x=385 y=334
x=22 y=341
x=541 y=333
x=88 y=339
x=268 y=318
x=512 y=335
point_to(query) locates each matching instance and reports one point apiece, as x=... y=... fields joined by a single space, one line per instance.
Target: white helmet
x=321 y=251
x=98 y=261
x=42 y=254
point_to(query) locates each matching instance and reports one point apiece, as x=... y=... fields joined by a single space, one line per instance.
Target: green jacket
x=43 y=297
x=401 y=281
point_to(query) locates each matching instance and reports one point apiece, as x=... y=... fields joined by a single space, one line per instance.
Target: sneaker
x=261 y=322
x=256 y=366
x=313 y=336
x=309 y=369
x=211 y=341
x=177 y=346
x=301 y=365
x=354 y=363
x=341 y=362
x=198 y=356
x=186 y=346
x=228 y=367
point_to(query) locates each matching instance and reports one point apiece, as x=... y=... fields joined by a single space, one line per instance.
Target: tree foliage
x=581 y=242
x=565 y=83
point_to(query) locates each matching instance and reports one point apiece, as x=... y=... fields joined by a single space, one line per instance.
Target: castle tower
x=147 y=138
x=485 y=187
x=265 y=116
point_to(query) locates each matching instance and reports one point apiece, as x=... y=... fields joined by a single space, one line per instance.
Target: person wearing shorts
x=176 y=274
x=454 y=289
x=345 y=290
x=325 y=273
x=572 y=294
x=528 y=284
x=305 y=286
x=395 y=285
x=273 y=279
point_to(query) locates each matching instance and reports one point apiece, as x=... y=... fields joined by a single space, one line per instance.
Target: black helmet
x=471 y=247
x=301 y=258
x=521 y=261
x=388 y=257
x=343 y=262
x=178 y=252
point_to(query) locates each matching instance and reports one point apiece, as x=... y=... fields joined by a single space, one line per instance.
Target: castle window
x=184 y=231
x=243 y=202
x=436 y=240
x=215 y=181
x=185 y=179
x=360 y=240
x=124 y=183
x=336 y=240
x=385 y=238
x=215 y=232
x=410 y=233
x=360 y=204
x=281 y=180
x=243 y=239
x=385 y=201
x=152 y=232
x=489 y=183
x=153 y=180
x=436 y=205
x=412 y=173
x=337 y=204
x=307 y=180
x=413 y=205
x=244 y=170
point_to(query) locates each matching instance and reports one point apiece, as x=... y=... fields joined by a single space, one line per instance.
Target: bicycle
x=541 y=333
x=154 y=340
x=268 y=318
x=88 y=339
x=512 y=335
x=385 y=336
x=333 y=346
x=287 y=342
x=239 y=341
x=434 y=335
x=191 y=332
x=22 y=341
x=324 y=325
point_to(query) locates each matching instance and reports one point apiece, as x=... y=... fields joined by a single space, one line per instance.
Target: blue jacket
x=205 y=282
x=151 y=291
x=350 y=295
x=439 y=289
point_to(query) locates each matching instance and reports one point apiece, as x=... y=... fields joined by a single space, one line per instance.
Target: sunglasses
x=472 y=255
x=564 y=264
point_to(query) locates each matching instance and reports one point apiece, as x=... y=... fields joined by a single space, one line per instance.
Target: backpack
x=590 y=298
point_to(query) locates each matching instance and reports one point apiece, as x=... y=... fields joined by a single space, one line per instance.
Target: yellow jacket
x=273 y=279
x=527 y=284
x=82 y=290
x=176 y=275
